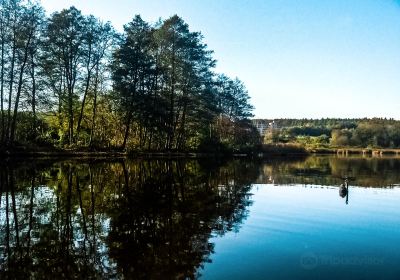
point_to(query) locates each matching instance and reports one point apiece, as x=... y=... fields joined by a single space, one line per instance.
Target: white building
x=263 y=126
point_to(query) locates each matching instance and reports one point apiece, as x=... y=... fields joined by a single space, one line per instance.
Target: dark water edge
x=59 y=154
x=99 y=218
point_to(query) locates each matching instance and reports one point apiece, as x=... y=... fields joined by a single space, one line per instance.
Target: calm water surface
x=239 y=219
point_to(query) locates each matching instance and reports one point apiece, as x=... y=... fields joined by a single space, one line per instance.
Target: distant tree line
x=70 y=80
x=363 y=133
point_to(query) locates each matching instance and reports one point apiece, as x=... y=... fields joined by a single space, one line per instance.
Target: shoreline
x=197 y=155
x=356 y=151
x=113 y=154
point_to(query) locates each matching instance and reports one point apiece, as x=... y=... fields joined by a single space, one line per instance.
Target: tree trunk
x=128 y=124
x=20 y=83
x=70 y=119
x=130 y=113
x=11 y=82
x=94 y=106
x=89 y=72
x=2 y=84
x=172 y=105
x=34 y=124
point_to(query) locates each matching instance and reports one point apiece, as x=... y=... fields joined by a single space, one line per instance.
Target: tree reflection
x=136 y=219
x=142 y=219
x=328 y=170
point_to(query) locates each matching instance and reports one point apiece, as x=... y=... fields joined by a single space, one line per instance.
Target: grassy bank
x=356 y=151
x=298 y=149
x=283 y=150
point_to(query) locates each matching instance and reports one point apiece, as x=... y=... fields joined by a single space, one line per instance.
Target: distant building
x=263 y=126
x=272 y=125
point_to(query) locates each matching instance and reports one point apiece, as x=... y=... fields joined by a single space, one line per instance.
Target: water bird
x=344 y=189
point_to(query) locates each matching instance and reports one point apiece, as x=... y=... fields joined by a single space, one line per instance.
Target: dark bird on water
x=343 y=190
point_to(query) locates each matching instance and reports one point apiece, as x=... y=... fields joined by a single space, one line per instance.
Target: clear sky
x=298 y=58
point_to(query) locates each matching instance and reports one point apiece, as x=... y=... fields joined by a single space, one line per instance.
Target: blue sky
x=302 y=59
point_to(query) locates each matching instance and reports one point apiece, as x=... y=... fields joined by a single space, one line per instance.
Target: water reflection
x=329 y=171
x=144 y=219
x=141 y=219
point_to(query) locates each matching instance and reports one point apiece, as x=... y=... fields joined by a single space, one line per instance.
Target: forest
x=71 y=81
x=333 y=133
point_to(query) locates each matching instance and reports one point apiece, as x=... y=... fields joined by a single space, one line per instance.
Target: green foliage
x=283 y=149
x=325 y=133
x=82 y=85
x=168 y=96
x=313 y=141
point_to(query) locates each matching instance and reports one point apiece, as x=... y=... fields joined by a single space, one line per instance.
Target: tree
x=186 y=64
x=29 y=33
x=63 y=57
x=162 y=82
x=20 y=29
x=233 y=108
x=131 y=64
x=55 y=86
x=98 y=38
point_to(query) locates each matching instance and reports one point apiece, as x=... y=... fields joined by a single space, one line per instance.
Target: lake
x=278 y=218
